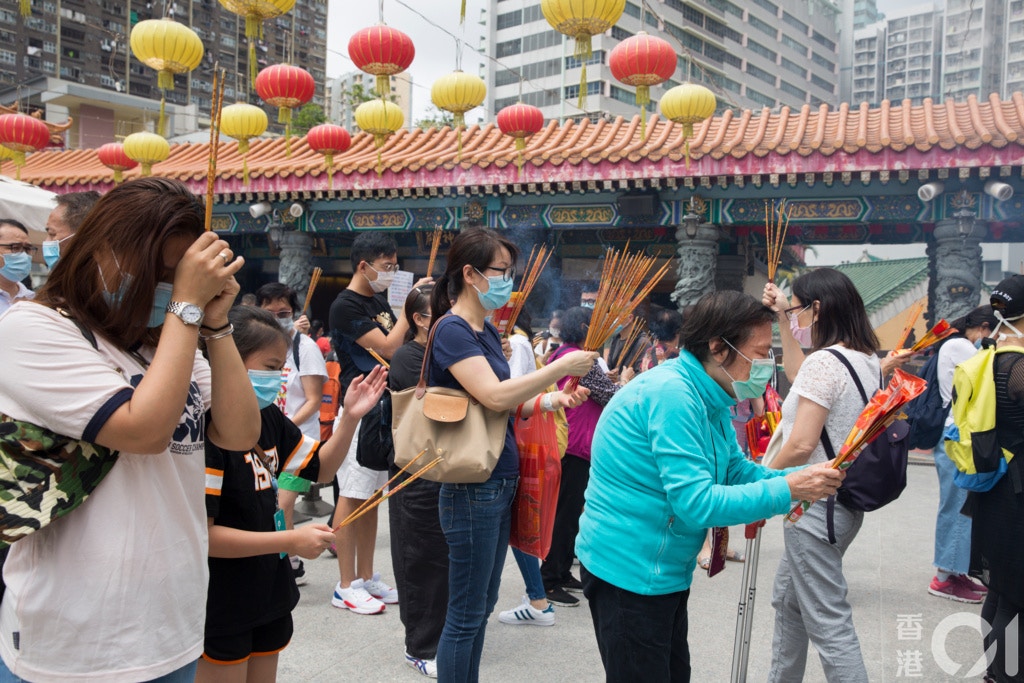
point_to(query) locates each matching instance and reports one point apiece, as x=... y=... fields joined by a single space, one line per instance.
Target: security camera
x=260 y=209
x=930 y=191
x=1001 y=191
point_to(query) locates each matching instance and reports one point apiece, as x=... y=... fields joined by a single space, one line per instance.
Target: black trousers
x=640 y=637
x=555 y=570
x=419 y=555
x=1000 y=614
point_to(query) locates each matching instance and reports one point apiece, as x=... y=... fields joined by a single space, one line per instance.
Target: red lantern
x=285 y=87
x=22 y=133
x=328 y=139
x=643 y=61
x=520 y=121
x=383 y=52
x=113 y=157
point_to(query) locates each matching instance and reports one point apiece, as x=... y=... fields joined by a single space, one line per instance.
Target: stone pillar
x=730 y=271
x=296 y=266
x=698 y=257
x=957 y=285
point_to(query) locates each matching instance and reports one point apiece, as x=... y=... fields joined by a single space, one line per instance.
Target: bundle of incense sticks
x=435 y=244
x=379 y=358
x=314 y=280
x=216 y=105
x=621 y=290
x=505 y=317
x=635 y=333
x=775 y=228
x=379 y=496
x=941 y=330
x=880 y=412
x=915 y=313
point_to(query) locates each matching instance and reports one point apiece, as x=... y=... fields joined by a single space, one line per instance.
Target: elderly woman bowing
x=665 y=468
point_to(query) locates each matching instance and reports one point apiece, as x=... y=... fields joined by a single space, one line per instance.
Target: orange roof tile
x=848 y=139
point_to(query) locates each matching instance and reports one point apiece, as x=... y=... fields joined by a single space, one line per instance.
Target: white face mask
x=1006 y=321
x=383 y=281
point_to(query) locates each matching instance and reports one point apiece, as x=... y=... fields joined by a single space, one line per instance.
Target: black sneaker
x=299 y=571
x=562 y=598
x=573 y=585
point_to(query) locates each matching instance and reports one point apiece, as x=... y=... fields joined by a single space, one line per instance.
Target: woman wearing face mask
x=665 y=467
x=116 y=590
x=252 y=587
x=467 y=355
x=810 y=591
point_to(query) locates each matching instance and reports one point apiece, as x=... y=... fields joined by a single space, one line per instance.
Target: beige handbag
x=448 y=423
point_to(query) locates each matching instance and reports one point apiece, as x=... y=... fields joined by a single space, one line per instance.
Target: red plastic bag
x=540 y=472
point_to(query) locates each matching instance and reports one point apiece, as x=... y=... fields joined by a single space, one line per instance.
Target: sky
x=435 y=49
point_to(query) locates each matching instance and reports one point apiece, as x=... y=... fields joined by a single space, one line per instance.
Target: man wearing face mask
x=16 y=251
x=361 y=320
x=302 y=391
x=63 y=222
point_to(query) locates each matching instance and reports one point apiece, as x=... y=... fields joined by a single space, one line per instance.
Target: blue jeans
x=529 y=567
x=952 y=530
x=476 y=519
x=186 y=674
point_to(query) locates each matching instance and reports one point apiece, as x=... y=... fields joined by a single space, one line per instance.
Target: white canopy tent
x=28 y=204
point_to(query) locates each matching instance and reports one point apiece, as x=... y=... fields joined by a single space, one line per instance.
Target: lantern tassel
x=26 y=8
x=288 y=139
x=643 y=98
x=458 y=123
x=462 y=15
x=583 y=52
x=245 y=169
x=147 y=168
x=284 y=115
x=165 y=80
x=118 y=175
x=252 y=61
x=383 y=85
x=380 y=165
x=687 y=132
x=19 y=161
x=329 y=159
x=161 y=124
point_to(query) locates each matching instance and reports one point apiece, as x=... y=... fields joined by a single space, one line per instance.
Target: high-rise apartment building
x=913 y=54
x=1013 y=79
x=751 y=54
x=346 y=92
x=85 y=42
x=868 y=64
x=972 y=53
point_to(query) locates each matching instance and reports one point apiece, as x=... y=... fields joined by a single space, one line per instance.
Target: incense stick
x=775 y=235
x=915 y=312
x=216 y=105
x=534 y=267
x=314 y=280
x=379 y=492
x=435 y=244
x=379 y=358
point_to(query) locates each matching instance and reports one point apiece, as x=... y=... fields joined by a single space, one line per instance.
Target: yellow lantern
x=458 y=92
x=688 y=104
x=381 y=119
x=170 y=48
x=581 y=20
x=242 y=121
x=147 y=149
x=255 y=13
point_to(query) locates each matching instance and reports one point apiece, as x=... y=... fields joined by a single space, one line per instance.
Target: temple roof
x=806 y=141
x=881 y=281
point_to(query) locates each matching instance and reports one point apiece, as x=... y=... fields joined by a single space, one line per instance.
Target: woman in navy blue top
x=466 y=354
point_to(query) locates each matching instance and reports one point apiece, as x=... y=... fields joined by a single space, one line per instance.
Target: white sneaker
x=427 y=667
x=529 y=615
x=356 y=598
x=381 y=591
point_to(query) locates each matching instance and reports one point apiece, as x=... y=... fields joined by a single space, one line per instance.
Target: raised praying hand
x=364 y=392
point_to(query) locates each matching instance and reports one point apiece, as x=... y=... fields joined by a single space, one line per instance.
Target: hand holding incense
x=314 y=280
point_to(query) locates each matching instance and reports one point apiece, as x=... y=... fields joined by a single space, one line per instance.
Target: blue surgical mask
x=977 y=342
x=499 y=291
x=161 y=297
x=762 y=370
x=266 y=384
x=51 y=251
x=16 y=266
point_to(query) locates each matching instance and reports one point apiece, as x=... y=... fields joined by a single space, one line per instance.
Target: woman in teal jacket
x=665 y=468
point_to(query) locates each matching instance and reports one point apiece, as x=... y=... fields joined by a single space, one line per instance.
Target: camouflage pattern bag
x=44 y=476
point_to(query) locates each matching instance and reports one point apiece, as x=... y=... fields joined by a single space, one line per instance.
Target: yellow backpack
x=971 y=441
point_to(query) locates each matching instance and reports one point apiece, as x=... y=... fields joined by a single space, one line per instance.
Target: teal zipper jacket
x=665 y=467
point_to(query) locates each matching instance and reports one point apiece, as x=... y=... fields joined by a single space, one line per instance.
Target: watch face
x=192 y=314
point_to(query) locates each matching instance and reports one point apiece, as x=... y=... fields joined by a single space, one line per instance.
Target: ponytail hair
x=418 y=301
x=474 y=247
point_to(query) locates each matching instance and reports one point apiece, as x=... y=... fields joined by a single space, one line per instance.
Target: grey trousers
x=810 y=603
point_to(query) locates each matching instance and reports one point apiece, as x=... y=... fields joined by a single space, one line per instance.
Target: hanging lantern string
x=216 y=105
x=380 y=11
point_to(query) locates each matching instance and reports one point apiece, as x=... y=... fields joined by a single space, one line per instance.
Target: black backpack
x=925 y=414
x=879 y=474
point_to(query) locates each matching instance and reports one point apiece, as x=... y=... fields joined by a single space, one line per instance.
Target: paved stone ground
x=888 y=569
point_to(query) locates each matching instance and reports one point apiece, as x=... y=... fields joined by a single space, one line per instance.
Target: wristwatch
x=190 y=314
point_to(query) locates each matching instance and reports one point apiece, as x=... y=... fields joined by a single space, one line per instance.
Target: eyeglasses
x=507 y=274
x=19 y=247
x=794 y=311
x=282 y=315
x=387 y=267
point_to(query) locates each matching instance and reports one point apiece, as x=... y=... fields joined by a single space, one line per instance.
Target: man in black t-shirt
x=362 y=320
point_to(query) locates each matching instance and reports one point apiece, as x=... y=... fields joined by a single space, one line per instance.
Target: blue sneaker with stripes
x=528 y=614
